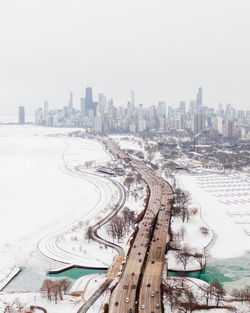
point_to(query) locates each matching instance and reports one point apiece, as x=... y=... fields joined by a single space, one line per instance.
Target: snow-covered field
x=36 y=196
x=225 y=207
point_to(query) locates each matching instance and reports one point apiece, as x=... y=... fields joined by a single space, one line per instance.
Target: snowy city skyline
x=161 y=49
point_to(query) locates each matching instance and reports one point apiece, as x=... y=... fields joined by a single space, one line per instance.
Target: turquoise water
x=77 y=272
x=227 y=270
x=36 y=271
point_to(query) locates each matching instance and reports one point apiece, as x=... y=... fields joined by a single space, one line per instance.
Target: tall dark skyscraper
x=88 y=99
x=199 y=97
x=21 y=115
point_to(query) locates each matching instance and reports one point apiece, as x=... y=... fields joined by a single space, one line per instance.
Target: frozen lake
x=224 y=200
x=36 y=197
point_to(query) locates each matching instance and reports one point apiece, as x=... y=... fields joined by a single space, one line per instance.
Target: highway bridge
x=138 y=289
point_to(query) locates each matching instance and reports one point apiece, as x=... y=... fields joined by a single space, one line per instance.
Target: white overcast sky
x=162 y=49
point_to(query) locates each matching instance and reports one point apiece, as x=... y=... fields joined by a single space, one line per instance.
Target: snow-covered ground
x=225 y=207
x=69 y=303
x=36 y=197
x=192 y=238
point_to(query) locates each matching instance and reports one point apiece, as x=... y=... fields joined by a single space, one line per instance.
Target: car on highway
x=116 y=303
x=157 y=305
x=143 y=306
x=133 y=286
x=125 y=287
x=152 y=294
x=133 y=274
x=127 y=300
x=130 y=310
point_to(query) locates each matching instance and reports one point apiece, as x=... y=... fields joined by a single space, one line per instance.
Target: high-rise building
x=161 y=109
x=21 y=115
x=82 y=104
x=229 y=129
x=71 y=101
x=102 y=103
x=199 y=97
x=198 y=123
x=183 y=106
x=140 y=112
x=45 y=109
x=132 y=102
x=88 y=99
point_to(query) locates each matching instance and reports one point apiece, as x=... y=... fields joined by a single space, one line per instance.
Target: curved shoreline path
x=111 y=196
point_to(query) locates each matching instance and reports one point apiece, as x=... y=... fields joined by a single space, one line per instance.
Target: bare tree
x=181 y=280
x=47 y=288
x=218 y=291
x=128 y=216
x=183 y=256
x=128 y=182
x=182 y=200
x=65 y=284
x=116 y=228
x=199 y=258
x=204 y=230
x=207 y=292
x=173 y=293
x=55 y=291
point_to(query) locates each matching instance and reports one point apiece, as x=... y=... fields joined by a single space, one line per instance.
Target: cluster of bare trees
x=184 y=255
x=131 y=179
x=181 y=201
x=128 y=181
x=214 y=292
x=55 y=289
x=241 y=294
x=180 y=296
x=119 y=225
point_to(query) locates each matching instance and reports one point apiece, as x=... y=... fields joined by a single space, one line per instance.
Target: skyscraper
x=82 y=101
x=198 y=123
x=88 y=99
x=21 y=115
x=132 y=98
x=45 y=109
x=199 y=97
x=71 y=101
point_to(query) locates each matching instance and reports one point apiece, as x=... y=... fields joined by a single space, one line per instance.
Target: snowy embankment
x=87 y=285
x=190 y=236
x=7 y=275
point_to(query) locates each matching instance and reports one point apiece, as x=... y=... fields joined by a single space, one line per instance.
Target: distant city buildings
x=102 y=116
x=21 y=115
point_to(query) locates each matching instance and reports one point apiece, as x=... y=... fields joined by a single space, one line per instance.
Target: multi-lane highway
x=139 y=286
